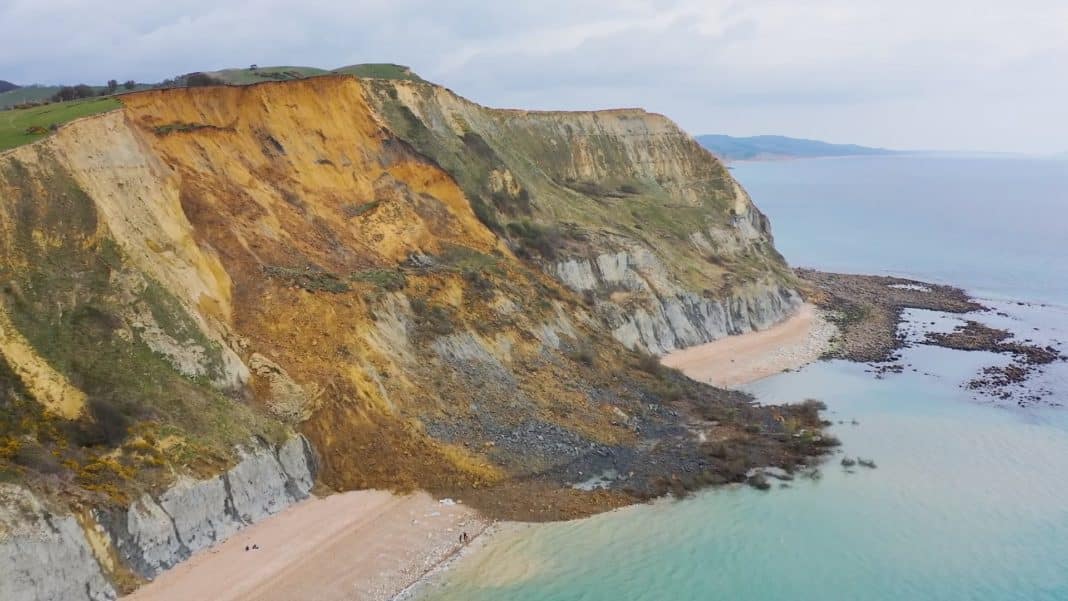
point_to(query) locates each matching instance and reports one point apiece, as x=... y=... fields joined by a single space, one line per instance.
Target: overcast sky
x=924 y=74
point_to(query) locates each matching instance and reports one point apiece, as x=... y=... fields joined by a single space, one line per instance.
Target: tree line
x=83 y=91
x=191 y=80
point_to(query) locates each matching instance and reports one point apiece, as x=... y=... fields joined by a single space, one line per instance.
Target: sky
x=909 y=74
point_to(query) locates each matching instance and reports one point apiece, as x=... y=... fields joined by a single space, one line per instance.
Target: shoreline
x=371 y=545
x=380 y=546
x=734 y=361
x=477 y=544
x=802 y=338
x=869 y=311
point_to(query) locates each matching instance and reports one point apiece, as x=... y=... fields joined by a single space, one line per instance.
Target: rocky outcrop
x=645 y=309
x=154 y=534
x=44 y=556
x=686 y=319
x=288 y=401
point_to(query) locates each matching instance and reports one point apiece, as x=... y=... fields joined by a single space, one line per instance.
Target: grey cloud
x=911 y=73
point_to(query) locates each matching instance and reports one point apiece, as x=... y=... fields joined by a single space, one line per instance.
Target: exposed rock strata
x=666 y=317
x=434 y=292
x=47 y=556
x=655 y=229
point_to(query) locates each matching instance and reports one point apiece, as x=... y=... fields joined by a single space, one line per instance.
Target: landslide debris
x=218 y=264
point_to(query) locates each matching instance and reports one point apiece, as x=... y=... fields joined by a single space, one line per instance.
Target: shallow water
x=969 y=499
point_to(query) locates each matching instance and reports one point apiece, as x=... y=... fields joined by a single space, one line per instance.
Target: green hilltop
x=780 y=147
x=23 y=125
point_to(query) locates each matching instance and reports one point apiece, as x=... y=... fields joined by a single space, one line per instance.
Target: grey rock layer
x=47 y=557
x=686 y=319
x=154 y=535
x=668 y=317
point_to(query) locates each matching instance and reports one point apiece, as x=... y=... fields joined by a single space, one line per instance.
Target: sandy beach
x=366 y=545
x=374 y=545
x=737 y=360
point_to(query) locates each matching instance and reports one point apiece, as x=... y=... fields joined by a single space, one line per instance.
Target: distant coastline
x=733 y=149
x=769 y=148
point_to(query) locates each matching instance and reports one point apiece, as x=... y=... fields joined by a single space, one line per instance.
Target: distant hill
x=7 y=86
x=9 y=98
x=379 y=71
x=780 y=147
x=250 y=75
x=34 y=93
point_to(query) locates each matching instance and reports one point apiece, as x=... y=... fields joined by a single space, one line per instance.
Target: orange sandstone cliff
x=215 y=298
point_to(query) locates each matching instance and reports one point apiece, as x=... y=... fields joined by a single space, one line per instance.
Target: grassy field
x=22 y=126
x=15 y=124
x=379 y=71
x=234 y=77
x=241 y=77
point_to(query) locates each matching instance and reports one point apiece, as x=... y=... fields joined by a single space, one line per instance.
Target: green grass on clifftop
x=246 y=76
x=242 y=77
x=22 y=126
x=379 y=71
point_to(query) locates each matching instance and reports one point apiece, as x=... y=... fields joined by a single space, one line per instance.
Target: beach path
x=356 y=545
x=737 y=360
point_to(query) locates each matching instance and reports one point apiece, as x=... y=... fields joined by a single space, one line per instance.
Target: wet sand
x=738 y=360
x=366 y=545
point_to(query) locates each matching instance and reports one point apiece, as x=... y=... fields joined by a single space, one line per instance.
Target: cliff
x=668 y=249
x=205 y=290
x=50 y=556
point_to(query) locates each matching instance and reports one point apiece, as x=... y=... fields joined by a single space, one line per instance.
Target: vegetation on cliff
x=375 y=264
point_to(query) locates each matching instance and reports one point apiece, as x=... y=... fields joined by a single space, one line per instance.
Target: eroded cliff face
x=646 y=309
x=432 y=294
x=668 y=249
x=46 y=553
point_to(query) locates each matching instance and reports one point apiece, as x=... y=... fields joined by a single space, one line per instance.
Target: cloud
x=909 y=73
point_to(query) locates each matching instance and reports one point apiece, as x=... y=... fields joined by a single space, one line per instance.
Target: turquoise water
x=969 y=500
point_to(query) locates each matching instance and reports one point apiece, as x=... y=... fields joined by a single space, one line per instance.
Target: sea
x=969 y=497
